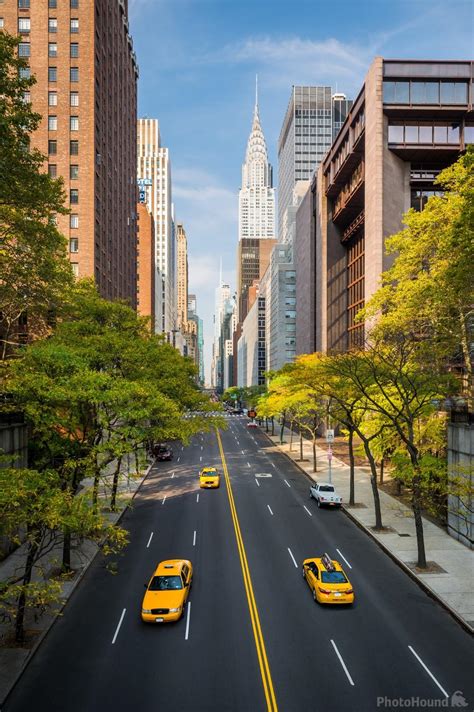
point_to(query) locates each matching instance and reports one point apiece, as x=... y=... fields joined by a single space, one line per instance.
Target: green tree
x=428 y=293
x=35 y=271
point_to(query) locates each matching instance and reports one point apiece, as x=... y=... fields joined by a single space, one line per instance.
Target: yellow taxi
x=327 y=580
x=167 y=591
x=209 y=477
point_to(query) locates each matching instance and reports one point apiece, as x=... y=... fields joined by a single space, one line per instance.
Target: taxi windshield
x=333 y=577
x=209 y=473
x=166 y=583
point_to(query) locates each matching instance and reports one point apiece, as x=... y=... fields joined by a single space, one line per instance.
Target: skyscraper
x=146 y=264
x=257 y=195
x=87 y=99
x=154 y=175
x=312 y=119
x=182 y=277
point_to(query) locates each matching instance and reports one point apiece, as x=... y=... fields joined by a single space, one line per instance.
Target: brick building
x=81 y=54
x=146 y=263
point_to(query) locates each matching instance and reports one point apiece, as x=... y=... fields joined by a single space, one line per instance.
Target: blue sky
x=198 y=60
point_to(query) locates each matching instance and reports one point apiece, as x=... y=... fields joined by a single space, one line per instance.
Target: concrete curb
x=66 y=600
x=427 y=589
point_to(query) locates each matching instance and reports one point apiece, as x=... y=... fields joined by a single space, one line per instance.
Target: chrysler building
x=257 y=195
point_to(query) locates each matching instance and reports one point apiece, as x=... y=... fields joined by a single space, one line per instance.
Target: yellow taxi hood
x=163 y=599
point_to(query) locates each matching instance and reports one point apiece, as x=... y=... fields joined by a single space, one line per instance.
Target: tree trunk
x=375 y=489
x=315 y=460
x=291 y=437
x=301 y=446
x=420 y=538
x=282 y=428
x=113 y=498
x=20 y=616
x=266 y=424
x=66 y=563
x=381 y=470
x=273 y=425
x=95 y=488
x=351 y=468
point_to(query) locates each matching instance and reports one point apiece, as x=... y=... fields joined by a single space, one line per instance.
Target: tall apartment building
x=410 y=120
x=194 y=317
x=146 y=263
x=154 y=174
x=222 y=296
x=182 y=277
x=251 y=350
x=280 y=306
x=81 y=54
x=253 y=258
x=312 y=120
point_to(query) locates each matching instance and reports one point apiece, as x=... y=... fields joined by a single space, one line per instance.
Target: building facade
x=251 y=348
x=182 y=277
x=88 y=101
x=410 y=120
x=253 y=258
x=256 y=195
x=280 y=317
x=312 y=119
x=146 y=263
x=154 y=174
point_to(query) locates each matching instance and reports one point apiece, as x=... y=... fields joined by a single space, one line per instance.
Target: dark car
x=162 y=452
x=237 y=411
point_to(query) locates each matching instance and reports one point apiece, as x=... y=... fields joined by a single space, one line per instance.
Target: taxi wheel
x=314 y=596
x=303 y=573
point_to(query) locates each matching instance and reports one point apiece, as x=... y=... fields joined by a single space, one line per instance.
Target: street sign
x=252 y=413
x=141 y=182
x=329 y=436
x=141 y=196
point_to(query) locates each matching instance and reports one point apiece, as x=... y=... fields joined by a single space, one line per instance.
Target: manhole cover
x=263 y=474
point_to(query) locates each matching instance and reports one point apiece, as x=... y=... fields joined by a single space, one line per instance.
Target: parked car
x=325 y=494
x=162 y=452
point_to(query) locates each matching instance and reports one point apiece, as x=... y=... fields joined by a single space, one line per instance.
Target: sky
x=198 y=60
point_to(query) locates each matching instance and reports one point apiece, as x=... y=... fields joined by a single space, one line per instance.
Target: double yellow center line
x=257 y=630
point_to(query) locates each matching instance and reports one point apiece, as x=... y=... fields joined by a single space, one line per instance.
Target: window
x=396 y=92
x=74 y=220
x=424 y=93
x=74 y=26
x=23 y=25
x=411 y=134
x=74 y=51
x=52 y=170
x=74 y=74
x=52 y=49
x=75 y=268
x=24 y=49
x=453 y=133
x=74 y=172
x=395 y=134
x=52 y=74
x=74 y=4
x=73 y=244
x=1 y=23
x=52 y=123
x=52 y=148
x=74 y=123
x=468 y=134
x=27 y=97
x=441 y=134
x=52 y=98
x=25 y=73
x=453 y=93
x=74 y=98
x=426 y=134
x=74 y=148
x=74 y=196
x=53 y=4
x=52 y=24
x=23 y=4
x=290 y=314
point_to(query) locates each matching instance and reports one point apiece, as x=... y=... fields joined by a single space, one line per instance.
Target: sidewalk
x=452 y=564
x=13 y=659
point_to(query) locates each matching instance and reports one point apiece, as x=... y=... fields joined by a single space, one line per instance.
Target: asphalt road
x=395 y=642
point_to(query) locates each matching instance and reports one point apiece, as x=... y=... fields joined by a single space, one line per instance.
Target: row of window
x=53 y=147
x=53 y=98
x=24 y=25
x=24 y=50
x=429 y=133
x=73 y=171
x=432 y=92
x=53 y=123
x=25 y=4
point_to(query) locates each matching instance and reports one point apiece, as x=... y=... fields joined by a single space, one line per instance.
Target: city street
x=252 y=637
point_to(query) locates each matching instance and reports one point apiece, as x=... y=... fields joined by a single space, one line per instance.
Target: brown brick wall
x=146 y=263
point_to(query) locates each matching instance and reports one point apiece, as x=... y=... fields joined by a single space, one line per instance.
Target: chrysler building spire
x=257 y=195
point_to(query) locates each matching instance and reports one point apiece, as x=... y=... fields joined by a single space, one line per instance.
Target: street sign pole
x=329 y=461
x=329 y=440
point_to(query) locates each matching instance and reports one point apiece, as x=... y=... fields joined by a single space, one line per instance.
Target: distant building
x=154 y=175
x=182 y=277
x=281 y=308
x=312 y=120
x=253 y=258
x=251 y=349
x=146 y=264
x=88 y=103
